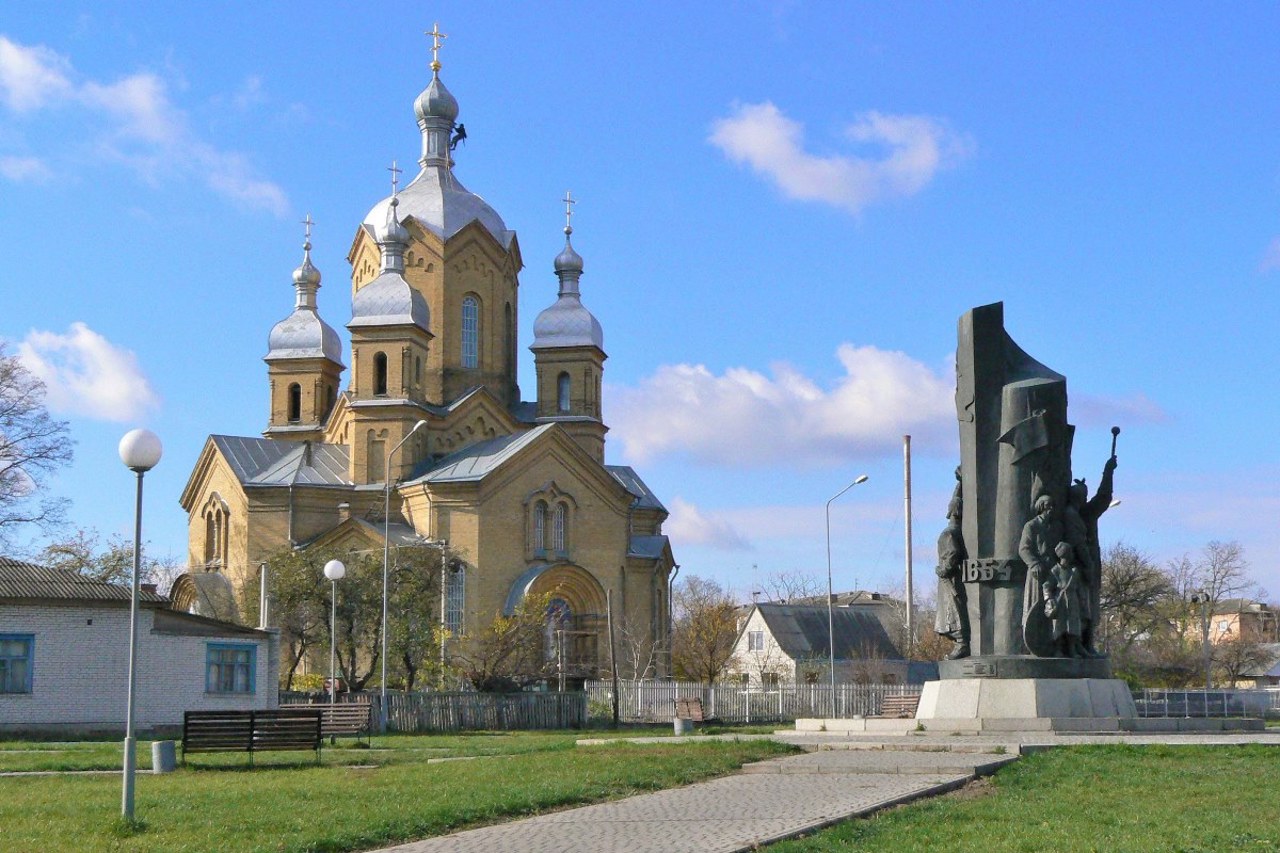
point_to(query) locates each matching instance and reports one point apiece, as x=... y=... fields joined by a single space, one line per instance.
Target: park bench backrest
x=344 y=718
x=250 y=731
x=689 y=709
x=899 y=706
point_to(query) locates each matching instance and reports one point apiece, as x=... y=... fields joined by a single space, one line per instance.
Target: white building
x=64 y=656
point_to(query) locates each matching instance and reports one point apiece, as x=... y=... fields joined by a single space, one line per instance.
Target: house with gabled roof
x=429 y=442
x=64 y=645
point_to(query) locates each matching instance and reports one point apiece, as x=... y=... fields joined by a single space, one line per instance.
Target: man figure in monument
x=952 y=620
x=1088 y=511
x=1037 y=548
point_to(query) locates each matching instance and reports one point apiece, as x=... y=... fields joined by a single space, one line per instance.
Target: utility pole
x=911 y=600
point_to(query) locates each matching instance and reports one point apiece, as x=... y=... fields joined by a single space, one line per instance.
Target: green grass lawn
x=288 y=803
x=1112 y=799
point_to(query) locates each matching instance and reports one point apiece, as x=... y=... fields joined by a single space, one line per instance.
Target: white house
x=64 y=656
x=788 y=643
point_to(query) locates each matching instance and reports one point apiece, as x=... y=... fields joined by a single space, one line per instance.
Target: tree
x=32 y=447
x=1133 y=590
x=790 y=586
x=1238 y=655
x=82 y=551
x=510 y=652
x=706 y=626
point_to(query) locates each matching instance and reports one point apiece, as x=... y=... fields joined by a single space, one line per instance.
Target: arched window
x=562 y=393
x=455 y=597
x=417 y=369
x=470 y=332
x=216 y=534
x=380 y=374
x=295 y=403
x=509 y=340
x=539 y=529
x=328 y=400
x=559 y=530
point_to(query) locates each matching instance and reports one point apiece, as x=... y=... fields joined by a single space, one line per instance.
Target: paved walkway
x=842 y=777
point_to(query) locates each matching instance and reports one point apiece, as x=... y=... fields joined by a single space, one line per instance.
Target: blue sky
x=784 y=208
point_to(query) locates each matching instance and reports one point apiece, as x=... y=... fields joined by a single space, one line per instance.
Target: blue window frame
x=17 y=655
x=230 y=667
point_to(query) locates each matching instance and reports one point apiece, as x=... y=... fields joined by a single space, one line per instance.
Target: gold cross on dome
x=569 y=202
x=436 y=38
x=395 y=177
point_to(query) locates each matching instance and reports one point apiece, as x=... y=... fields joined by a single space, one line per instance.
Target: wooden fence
x=453 y=712
x=653 y=701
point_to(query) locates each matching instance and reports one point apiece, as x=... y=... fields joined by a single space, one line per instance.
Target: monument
x=1019 y=565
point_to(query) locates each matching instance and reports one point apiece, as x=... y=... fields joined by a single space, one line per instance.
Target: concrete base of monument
x=1074 y=704
x=1023 y=667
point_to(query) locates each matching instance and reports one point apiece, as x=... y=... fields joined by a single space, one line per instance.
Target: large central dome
x=442 y=205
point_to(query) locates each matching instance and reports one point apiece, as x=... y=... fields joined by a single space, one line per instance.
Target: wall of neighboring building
x=767 y=662
x=80 y=665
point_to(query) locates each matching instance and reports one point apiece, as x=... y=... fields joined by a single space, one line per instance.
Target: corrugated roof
x=631 y=481
x=27 y=581
x=477 y=460
x=801 y=631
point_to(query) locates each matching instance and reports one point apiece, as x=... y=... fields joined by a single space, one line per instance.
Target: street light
x=1204 y=600
x=335 y=571
x=831 y=634
x=139 y=450
x=386 y=559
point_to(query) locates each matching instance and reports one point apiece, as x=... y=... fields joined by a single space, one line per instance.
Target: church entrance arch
x=575 y=619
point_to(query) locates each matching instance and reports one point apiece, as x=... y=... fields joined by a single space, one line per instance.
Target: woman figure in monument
x=1040 y=538
x=952 y=620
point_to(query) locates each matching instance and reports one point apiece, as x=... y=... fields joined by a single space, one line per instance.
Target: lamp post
x=139 y=450
x=335 y=571
x=386 y=559
x=831 y=635
x=1204 y=600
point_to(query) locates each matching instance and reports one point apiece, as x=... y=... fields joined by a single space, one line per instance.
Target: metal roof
x=477 y=460
x=631 y=481
x=801 y=631
x=303 y=335
x=647 y=547
x=389 y=300
x=274 y=462
x=442 y=205
x=27 y=581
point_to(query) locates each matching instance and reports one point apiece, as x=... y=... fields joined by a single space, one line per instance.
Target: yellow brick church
x=520 y=490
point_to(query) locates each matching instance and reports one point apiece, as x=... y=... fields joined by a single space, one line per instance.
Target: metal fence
x=1227 y=702
x=453 y=712
x=653 y=701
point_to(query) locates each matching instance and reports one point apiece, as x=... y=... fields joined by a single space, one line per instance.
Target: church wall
x=230 y=548
x=315 y=379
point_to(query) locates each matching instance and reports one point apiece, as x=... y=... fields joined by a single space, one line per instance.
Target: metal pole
x=386 y=556
x=263 y=599
x=333 y=646
x=831 y=636
x=613 y=653
x=444 y=579
x=130 y=745
x=1208 y=651
x=911 y=600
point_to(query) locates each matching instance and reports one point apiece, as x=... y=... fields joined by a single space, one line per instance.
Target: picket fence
x=465 y=711
x=653 y=701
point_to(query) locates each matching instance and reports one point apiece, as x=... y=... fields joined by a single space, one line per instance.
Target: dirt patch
x=973 y=790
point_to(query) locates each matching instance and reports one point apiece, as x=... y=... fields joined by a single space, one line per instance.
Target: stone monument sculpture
x=1019 y=564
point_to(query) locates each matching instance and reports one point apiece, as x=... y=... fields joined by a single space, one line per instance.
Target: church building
x=518 y=490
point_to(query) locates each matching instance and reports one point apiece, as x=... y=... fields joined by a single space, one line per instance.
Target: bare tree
x=510 y=651
x=639 y=653
x=706 y=626
x=83 y=551
x=790 y=586
x=1238 y=655
x=1133 y=590
x=32 y=447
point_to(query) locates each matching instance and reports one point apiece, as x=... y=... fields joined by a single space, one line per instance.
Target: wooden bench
x=344 y=718
x=691 y=709
x=899 y=707
x=251 y=731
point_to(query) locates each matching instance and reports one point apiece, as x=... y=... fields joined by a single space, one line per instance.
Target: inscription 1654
x=987 y=571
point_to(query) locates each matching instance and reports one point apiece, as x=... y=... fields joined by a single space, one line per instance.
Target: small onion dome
x=304 y=335
x=568 y=260
x=567 y=323
x=389 y=300
x=436 y=102
x=392 y=232
x=307 y=274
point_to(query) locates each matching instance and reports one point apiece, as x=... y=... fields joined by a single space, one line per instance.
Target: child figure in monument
x=1066 y=602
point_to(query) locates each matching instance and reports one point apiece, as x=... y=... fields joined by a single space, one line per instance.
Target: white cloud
x=1271 y=257
x=85 y=374
x=745 y=418
x=690 y=525
x=139 y=124
x=914 y=149
x=20 y=169
x=30 y=77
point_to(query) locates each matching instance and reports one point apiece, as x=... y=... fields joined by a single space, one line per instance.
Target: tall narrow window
x=380 y=374
x=470 y=332
x=455 y=597
x=328 y=400
x=539 y=529
x=509 y=341
x=15 y=662
x=295 y=403
x=559 y=531
x=562 y=393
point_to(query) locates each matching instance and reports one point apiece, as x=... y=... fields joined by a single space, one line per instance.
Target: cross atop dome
x=437 y=39
x=569 y=202
x=308 y=222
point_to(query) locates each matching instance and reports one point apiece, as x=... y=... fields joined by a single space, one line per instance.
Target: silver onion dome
x=436 y=102
x=567 y=323
x=303 y=334
x=389 y=300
